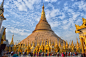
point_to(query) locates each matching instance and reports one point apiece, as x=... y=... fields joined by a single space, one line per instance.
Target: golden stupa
x=42 y=31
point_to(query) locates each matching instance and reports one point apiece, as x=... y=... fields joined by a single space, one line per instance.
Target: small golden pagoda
x=12 y=43
x=42 y=31
x=77 y=47
x=82 y=34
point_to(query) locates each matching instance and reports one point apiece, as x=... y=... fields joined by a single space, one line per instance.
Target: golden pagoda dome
x=42 y=31
x=43 y=24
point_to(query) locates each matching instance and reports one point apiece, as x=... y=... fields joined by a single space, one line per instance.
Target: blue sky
x=23 y=15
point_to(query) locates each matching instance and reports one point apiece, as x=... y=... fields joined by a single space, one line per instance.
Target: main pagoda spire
x=43 y=24
x=43 y=13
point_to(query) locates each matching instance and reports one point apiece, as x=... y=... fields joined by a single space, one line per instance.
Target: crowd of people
x=63 y=54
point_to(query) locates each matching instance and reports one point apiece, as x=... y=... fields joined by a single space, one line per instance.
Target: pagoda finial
x=43 y=13
x=43 y=6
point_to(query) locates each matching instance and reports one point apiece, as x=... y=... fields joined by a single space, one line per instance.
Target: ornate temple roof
x=2 y=11
x=78 y=28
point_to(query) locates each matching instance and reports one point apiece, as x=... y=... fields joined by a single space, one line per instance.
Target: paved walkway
x=45 y=56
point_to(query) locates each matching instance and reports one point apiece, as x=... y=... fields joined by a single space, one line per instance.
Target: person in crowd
x=62 y=54
x=83 y=55
x=15 y=55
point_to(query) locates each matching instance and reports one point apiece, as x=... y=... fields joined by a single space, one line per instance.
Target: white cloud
x=65 y=8
x=18 y=31
x=75 y=15
x=78 y=21
x=30 y=3
x=81 y=5
x=54 y=24
x=38 y=18
x=0 y=0
x=65 y=4
x=72 y=0
x=21 y=6
x=66 y=26
x=59 y=2
x=63 y=16
x=52 y=13
x=50 y=0
x=64 y=21
x=47 y=0
x=19 y=0
x=70 y=35
x=50 y=5
x=6 y=15
x=53 y=0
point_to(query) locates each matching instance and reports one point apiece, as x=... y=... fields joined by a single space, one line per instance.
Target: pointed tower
x=1 y=7
x=1 y=14
x=42 y=31
x=43 y=24
x=12 y=43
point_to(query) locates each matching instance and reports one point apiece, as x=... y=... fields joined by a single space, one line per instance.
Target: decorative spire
x=69 y=45
x=63 y=44
x=56 y=43
x=52 y=43
x=43 y=13
x=42 y=43
x=12 y=43
x=2 y=3
x=1 y=7
x=66 y=44
x=30 y=44
x=77 y=40
x=59 y=43
x=38 y=43
x=49 y=42
x=72 y=43
x=33 y=44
